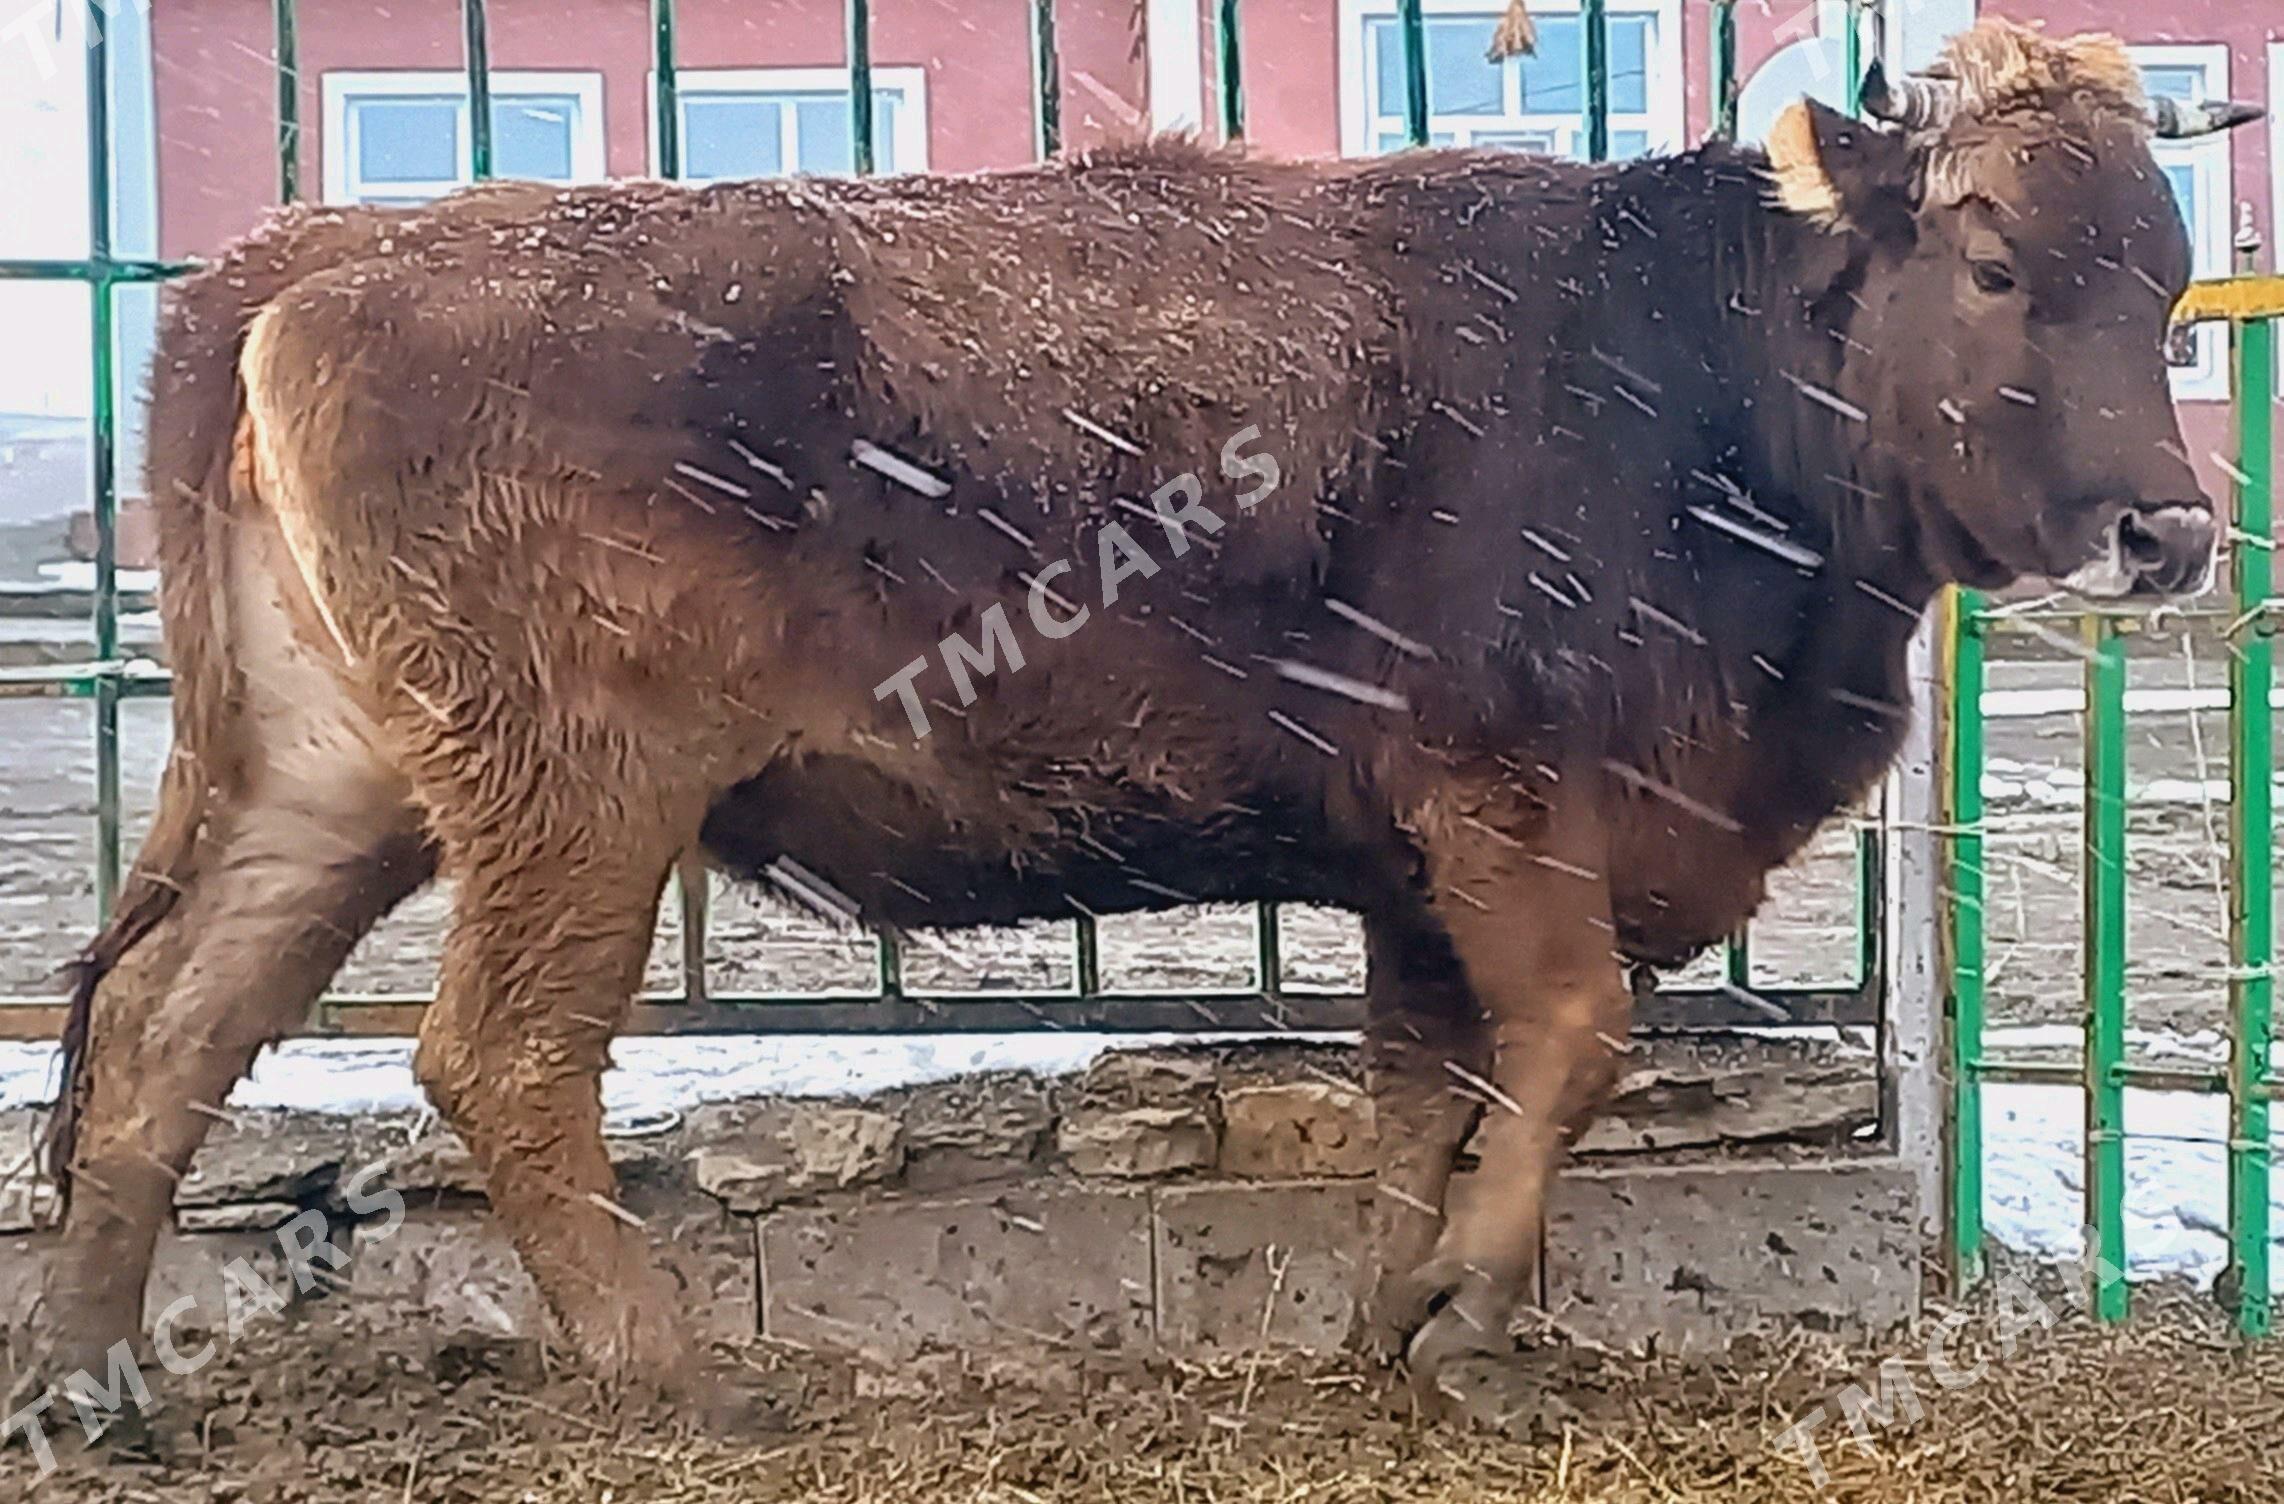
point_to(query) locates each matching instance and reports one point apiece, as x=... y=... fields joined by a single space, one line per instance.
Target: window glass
x=743 y=134
x=1535 y=103
x=732 y=136
x=407 y=139
x=2183 y=82
x=532 y=136
x=1552 y=74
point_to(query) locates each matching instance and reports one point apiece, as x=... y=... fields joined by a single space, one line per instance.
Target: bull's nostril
x=2140 y=544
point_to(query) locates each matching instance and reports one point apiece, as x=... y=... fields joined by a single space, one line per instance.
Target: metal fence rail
x=107 y=679
x=2252 y=304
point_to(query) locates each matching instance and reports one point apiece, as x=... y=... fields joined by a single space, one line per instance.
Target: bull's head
x=2015 y=257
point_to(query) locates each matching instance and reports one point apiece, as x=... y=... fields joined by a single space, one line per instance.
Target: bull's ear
x=1840 y=172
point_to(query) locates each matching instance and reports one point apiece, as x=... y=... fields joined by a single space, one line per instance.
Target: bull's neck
x=1775 y=296
x=1780 y=294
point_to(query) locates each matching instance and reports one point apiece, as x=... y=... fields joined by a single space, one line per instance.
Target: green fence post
x=1594 y=19
x=1046 y=81
x=1412 y=21
x=1852 y=64
x=288 y=45
x=1963 y=633
x=2252 y=955
x=860 y=84
x=2105 y=967
x=103 y=422
x=1725 y=70
x=667 y=102
x=1229 y=69
x=476 y=39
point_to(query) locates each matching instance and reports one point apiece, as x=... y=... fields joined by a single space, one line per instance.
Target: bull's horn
x=2174 y=121
x=1913 y=103
x=1517 y=36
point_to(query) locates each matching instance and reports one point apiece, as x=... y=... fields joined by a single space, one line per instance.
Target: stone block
x=1240 y=1267
x=1136 y=1143
x=27 y=1205
x=245 y=1276
x=1691 y=1256
x=1147 y=1078
x=421 y=1164
x=977 y=1128
x=1296 y=1131
x=710 y=1259
x=236 y=1216
x=799 y=1149
x=894 y=1277
x=449 y=1269
x=269 y=1156
x=23 y=1267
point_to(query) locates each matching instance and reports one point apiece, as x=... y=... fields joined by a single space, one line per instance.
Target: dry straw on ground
x=2170 y=1409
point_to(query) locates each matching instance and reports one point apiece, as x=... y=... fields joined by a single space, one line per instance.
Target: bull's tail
x=193 y=423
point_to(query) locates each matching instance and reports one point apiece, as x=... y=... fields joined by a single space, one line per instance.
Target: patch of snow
x=79 y=574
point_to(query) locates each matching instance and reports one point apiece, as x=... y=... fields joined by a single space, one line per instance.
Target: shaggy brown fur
x=1546 y=540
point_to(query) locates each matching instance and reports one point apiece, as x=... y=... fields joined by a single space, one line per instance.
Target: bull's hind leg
x=1523 y=895
x=305 y=847
x=557 y=900
x=1425 y=1039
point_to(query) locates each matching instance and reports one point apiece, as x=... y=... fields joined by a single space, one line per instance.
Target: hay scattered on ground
x=2170 y=1408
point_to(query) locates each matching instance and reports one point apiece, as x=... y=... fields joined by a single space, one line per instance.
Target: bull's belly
x=899 y=856
x=1674 y=899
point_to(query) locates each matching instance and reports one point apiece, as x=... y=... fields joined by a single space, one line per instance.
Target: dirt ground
x=2168 y=1408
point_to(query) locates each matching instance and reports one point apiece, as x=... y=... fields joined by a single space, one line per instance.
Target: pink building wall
x=215 y=89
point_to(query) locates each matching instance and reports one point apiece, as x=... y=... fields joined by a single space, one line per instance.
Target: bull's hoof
x=1504 y=1394
x=50 y=1356
x=58 y=1430
x=1442 y=1313
x=716 y=1398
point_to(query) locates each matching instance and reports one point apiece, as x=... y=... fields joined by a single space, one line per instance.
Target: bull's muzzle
x=2152 y=550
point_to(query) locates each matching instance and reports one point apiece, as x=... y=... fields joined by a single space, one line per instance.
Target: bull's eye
x=1993 y=276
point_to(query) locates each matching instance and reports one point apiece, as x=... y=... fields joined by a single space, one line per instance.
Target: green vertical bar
x=1737 y=958
x=1229 y=69
x=1963 y=637
x=1854 y=64
x=860 y=84
x=891 y=968
x=288 y=45
x=1046 y=81
x=1868 y=879
x=1725 y=70
x=1089 y=957
x=2252 y=892
x=103 y=439
x=1594 y=18
x=2105 y=966
x=690 y=888
x=476 y=35
x=1412 y=21
x=1269 y=928
x=667 y=127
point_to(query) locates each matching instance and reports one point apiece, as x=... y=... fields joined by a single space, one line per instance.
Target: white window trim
x=1665 y=81
x=339 y=88
x=2210 y=238
x=911 y=137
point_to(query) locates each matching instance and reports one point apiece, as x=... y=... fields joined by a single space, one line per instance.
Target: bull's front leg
x=1521 y=890
x=1425 y=1039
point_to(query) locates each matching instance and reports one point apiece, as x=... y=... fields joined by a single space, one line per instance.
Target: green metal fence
x=2251 y=304
x=108 y=679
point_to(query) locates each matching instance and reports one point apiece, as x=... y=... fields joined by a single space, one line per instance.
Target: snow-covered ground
x=2176 y=1206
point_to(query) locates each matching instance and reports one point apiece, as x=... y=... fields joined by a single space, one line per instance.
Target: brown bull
x=1520 y=553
